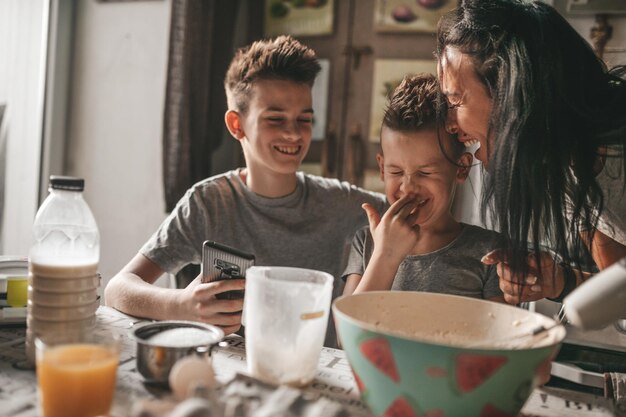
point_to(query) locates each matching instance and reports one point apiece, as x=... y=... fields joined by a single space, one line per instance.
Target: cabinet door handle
x=358 y=155
x=356 y=52
x=329 y=153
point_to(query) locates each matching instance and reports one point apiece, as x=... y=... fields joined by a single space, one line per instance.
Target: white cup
x=286 y=318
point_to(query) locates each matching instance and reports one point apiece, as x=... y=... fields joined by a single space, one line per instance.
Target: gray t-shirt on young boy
x=309 y=228
x=454 y=269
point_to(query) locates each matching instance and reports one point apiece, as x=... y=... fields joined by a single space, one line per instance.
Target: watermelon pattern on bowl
x=401 y=371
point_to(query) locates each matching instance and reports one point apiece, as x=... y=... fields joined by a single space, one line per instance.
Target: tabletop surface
x=334 y=380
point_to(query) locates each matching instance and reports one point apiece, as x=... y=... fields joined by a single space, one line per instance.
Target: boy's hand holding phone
x=200 y=302
x=216 y=295
x=221 y=262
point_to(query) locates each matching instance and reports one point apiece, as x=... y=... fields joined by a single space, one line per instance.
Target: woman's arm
x=604 y=250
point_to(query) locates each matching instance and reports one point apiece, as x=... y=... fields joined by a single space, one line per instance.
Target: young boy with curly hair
x=417 y=245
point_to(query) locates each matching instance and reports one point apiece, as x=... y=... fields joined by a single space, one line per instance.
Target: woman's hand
x=198 y=302
x=396 y=234
x=542 y=281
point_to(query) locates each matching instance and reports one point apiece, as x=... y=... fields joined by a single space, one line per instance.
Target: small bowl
x=418 y=353
x=158 y=351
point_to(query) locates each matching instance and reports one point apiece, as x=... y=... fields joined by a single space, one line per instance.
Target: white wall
x=22 y=69
x=115 y=120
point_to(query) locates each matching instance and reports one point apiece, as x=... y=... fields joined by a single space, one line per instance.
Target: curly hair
x=417 y=104
x=281 y=58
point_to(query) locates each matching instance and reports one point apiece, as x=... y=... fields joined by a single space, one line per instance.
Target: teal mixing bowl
x=438 y=355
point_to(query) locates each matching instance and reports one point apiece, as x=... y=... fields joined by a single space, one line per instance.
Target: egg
x=190 y=373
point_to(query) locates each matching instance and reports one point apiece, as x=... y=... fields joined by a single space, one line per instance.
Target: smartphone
x=220 y=262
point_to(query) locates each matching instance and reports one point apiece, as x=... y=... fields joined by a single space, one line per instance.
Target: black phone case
x=220 y=262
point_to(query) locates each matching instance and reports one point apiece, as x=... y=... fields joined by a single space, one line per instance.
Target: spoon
x=559 y=319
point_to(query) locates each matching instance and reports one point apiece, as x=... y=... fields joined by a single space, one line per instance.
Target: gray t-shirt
x=453 y=269
x=309 y=228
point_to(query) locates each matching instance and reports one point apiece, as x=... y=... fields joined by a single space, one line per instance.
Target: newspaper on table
x=332 y=393
x=333 y=381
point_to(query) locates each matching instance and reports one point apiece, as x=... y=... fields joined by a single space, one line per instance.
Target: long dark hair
x=555 y=106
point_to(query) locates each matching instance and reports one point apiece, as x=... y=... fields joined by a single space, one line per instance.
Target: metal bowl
x=155 y=357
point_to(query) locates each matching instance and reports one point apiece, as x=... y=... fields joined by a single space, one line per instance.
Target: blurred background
x=128 y=95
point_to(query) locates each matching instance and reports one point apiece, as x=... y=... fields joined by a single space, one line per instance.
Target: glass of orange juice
x=76 y=374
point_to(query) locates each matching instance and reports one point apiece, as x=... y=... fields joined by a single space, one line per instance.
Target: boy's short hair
x=415 y=104
x=282 y=58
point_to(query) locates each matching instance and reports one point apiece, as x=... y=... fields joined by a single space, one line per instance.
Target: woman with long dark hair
x=551 y=123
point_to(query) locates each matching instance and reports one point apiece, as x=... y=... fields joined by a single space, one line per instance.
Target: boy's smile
x=277 y=126
x=288 y=150
x=412 y=163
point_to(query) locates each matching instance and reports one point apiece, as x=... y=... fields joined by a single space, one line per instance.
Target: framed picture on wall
x=388 y=73
x=298 y=17
x=410 y=15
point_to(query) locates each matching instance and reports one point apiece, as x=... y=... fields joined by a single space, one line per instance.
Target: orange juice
x=77 y=380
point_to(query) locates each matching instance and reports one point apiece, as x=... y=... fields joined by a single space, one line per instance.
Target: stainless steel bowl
x=155 y=360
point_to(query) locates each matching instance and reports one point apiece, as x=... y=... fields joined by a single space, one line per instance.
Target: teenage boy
x=417 y=245
x=282 y=216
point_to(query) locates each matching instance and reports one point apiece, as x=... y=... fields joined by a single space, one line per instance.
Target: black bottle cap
x=58 y=182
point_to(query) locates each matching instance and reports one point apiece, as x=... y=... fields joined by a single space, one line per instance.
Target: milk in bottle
x=63 y=264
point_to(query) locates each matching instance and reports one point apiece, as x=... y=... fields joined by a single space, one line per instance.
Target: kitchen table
x=334 y=380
